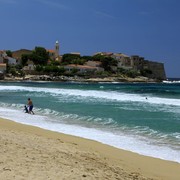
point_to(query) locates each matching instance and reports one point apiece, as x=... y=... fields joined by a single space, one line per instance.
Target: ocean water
x=139 y=117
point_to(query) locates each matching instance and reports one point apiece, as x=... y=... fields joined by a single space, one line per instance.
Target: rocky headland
x=78 y=78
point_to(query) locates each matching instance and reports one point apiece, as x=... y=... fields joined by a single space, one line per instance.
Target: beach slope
x=28 y=152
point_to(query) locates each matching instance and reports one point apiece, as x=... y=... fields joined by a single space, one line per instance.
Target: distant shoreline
x=80 y=79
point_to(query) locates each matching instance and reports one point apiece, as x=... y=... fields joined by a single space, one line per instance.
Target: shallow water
x=143 y=118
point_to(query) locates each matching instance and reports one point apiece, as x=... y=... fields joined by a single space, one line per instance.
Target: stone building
x=123 y=60
x=80 y=68
x=30 y=66
x=96 y=64
x=3 y=67
x=54 y=54
x=156 y=68
x=137 y=62
x=2 y=56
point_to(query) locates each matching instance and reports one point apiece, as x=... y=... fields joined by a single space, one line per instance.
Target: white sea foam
x=171 y=82
x=113 y=95
x=121 y=140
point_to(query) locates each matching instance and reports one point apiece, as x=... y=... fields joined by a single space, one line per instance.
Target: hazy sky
x=149 y=28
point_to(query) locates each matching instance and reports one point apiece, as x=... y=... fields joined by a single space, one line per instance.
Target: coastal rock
x=77 y=78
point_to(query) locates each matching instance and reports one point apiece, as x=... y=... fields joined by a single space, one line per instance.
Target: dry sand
x=32 y=153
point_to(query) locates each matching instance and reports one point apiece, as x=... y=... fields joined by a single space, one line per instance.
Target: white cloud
x=103 y=14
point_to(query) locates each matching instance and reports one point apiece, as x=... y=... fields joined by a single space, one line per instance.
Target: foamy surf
x=143 y=118
x=95 y=95
x=121 y=140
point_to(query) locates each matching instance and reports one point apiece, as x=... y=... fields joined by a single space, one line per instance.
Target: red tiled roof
x=50 y=50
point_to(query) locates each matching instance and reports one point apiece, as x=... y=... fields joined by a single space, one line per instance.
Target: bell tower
x=56 y=50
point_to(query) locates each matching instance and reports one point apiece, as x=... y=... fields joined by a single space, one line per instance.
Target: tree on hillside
x=9 y=53
x=98 y=57
x=69 y=58
x=78 y=61
x=106 y=61
x=87 y=58
x=40 y=56
x=24 y=58
x=146 y=72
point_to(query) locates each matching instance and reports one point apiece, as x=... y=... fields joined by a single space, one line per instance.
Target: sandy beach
x=29 y=152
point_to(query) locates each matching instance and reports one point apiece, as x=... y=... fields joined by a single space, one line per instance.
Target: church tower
x=56 y=50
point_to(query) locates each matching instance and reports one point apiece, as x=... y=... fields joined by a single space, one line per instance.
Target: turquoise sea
x=139 y=117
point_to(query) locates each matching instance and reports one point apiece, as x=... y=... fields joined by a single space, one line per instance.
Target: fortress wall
x=158 y=70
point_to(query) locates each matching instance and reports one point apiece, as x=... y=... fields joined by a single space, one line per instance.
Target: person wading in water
x=30 y=105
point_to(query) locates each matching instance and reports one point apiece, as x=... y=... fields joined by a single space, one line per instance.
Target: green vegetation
x=15 y=70
x=146 y=72
x=69 y=58
x=39 y=56
x=106 y=61
x=128 y=72
x=9 y=53
x=44 y=65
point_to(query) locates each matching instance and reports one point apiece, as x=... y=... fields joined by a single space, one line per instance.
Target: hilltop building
x=30 y=67
x=3 y=65
x=3 y=68
x=103 y=53
x=57 y=53
x=156 y=68
x=80 y=68
x=135 y=62
x=2 y=55
x=124 y=61
x=54 y=54
x=76 y=53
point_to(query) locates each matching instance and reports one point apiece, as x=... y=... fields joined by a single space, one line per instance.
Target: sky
x=148 y=28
